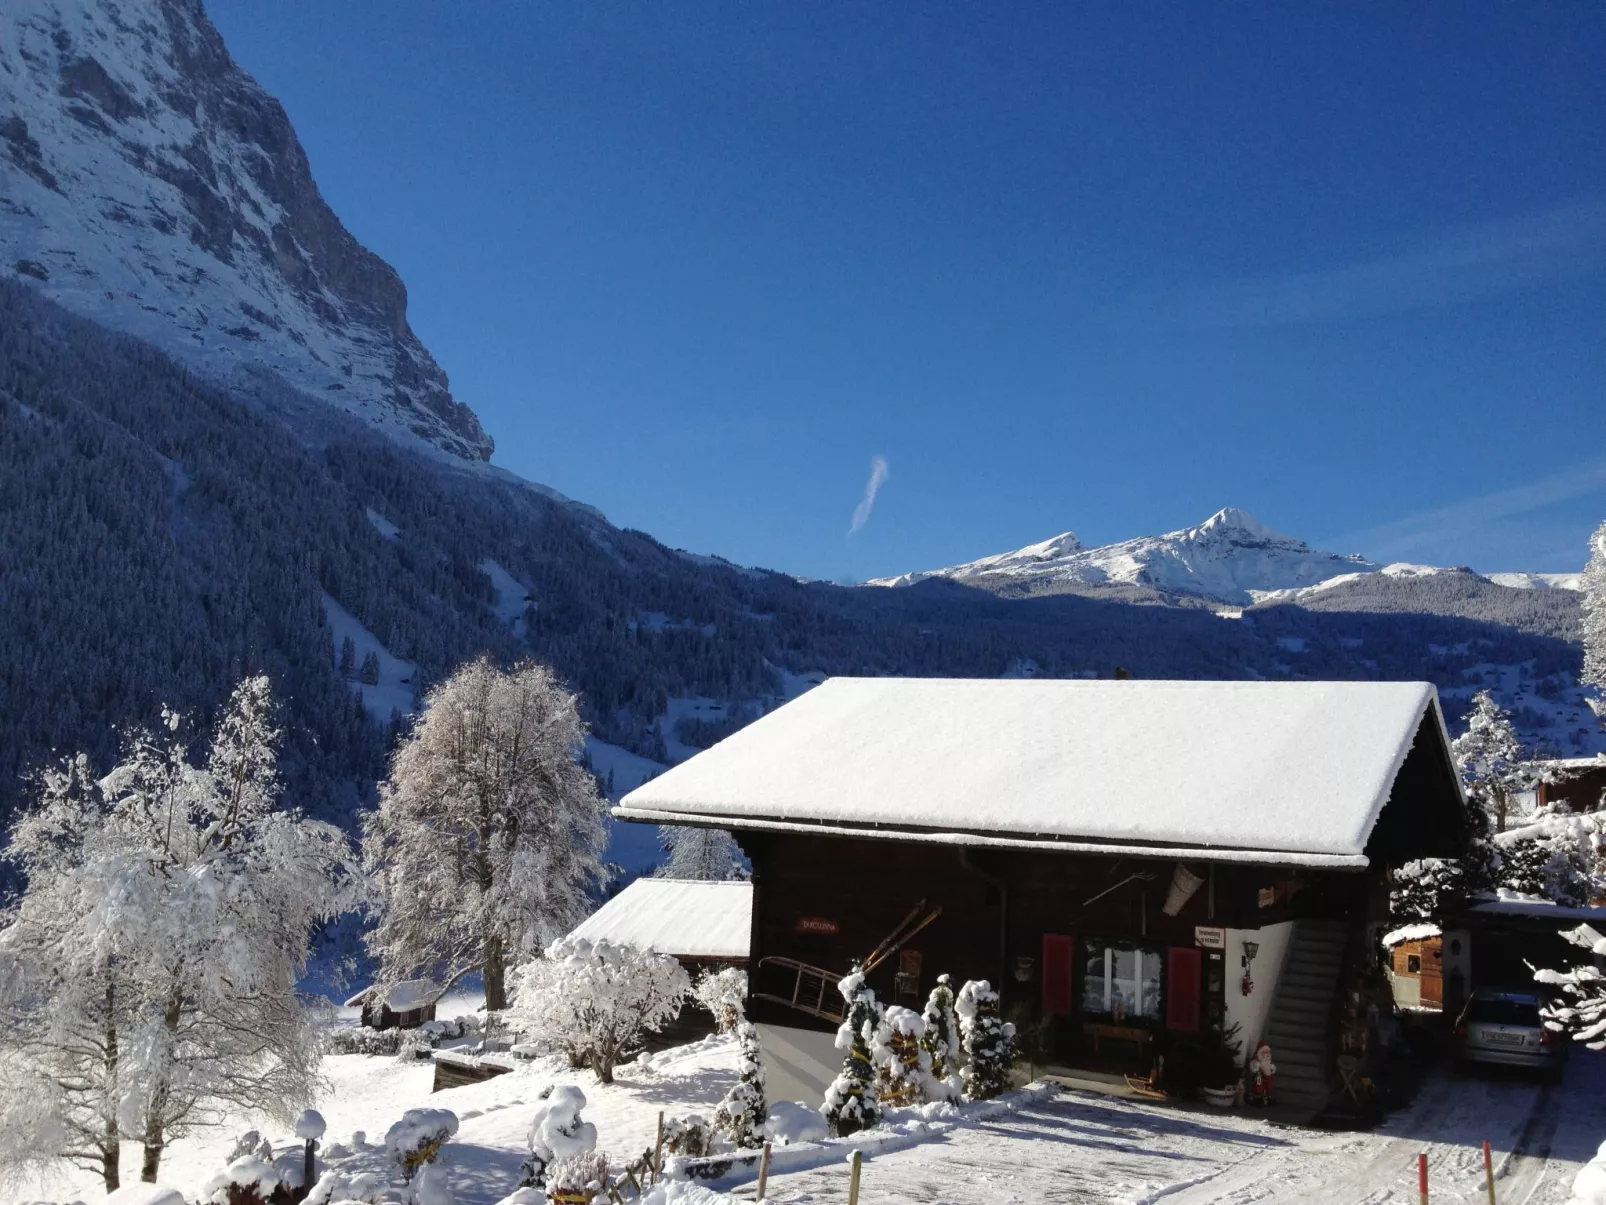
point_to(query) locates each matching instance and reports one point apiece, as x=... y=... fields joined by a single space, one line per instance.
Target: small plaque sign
x=1210 y=937
x=1268 y=896
x=816 y=924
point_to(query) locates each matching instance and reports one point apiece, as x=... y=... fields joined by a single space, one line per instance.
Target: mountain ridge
x=1230 y=558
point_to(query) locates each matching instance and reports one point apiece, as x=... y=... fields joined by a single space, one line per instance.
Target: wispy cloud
x=1466 y=264
x=878 y=477
x=1464 y=521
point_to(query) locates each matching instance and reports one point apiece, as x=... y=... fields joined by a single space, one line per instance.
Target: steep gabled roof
x=684 y=917
x=1294 y=772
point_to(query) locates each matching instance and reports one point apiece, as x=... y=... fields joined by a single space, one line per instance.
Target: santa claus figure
x=1262 y=1075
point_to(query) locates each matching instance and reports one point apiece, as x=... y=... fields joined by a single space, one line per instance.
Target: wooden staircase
x=1299 y=1025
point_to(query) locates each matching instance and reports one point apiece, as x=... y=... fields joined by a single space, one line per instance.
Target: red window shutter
x=1182 y=989
x=1057 y=969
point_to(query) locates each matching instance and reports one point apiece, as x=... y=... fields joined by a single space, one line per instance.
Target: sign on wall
x=1209 y=937
x=816 y=924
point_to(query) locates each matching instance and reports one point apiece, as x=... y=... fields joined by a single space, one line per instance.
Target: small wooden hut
x=406 y=1005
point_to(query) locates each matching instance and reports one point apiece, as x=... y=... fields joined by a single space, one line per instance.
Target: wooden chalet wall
x=829 y=901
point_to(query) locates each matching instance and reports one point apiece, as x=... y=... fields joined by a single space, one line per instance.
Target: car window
x=1503 y=1012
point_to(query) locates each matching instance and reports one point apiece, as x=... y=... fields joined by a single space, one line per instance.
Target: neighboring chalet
x=1580 y=784
x=404 y=1006
x=1133 y=863
x=705 y=925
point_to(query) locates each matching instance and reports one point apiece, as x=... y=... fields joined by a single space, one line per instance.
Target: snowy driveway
x=1079 y=1147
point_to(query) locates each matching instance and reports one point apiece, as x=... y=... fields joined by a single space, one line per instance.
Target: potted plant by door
x=1222 y=1069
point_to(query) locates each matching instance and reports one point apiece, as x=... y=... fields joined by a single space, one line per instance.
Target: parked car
x=1501 y=1027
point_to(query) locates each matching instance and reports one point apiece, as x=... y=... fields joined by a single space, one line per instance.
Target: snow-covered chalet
x=1133 y=863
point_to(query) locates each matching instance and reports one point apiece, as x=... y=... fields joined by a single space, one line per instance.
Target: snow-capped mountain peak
x=150 y=184
x=1230 y=557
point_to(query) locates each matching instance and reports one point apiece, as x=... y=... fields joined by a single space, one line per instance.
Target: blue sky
x=1104 y=267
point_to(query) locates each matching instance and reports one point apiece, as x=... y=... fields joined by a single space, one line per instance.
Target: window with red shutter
x=1182 y=989
x=1057 y=971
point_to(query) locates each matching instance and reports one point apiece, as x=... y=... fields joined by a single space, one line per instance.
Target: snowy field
x=1042 y=1144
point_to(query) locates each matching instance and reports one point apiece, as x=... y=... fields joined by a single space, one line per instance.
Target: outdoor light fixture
x=1247 y=983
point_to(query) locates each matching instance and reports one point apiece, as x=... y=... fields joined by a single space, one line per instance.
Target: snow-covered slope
x=150 y=184
x=1538 y=581
x=1231 y=556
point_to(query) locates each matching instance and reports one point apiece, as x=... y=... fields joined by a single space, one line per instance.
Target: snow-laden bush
x=1557 y=855
x=723 y=993
x=577 y=1178
x=988 y=1040
x=691 y=1137
x=557 y=1132
x=363 y=1041
x=246 y=1181
x=941 y=1042
x=1583 y=1013
x=851 y=1103
x=791 y=1121
x=432 y=1186
x=334 y=1187
x=903 y=1068
x=741 y=1115
x=595 y=1001
x=418 y=1137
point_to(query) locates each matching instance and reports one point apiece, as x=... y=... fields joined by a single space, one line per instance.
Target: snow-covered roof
x=1243 y=770
x=1410 y=933
x=686 y=918
x=403 y=997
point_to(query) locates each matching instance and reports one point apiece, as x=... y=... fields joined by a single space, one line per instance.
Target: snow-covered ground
x=367 y=1093
x=1067 y=1146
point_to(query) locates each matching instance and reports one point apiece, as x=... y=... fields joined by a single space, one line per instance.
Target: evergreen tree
x=1491 y=761
x=743 y=1112
x=348 y=657
x=989 y=1041
x=903 y=1065
x=851 y=1103
x=1583 y=1013
x=941 y=1040
x=369 y=674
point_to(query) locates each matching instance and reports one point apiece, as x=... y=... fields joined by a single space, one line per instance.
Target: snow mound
x=145 y=1194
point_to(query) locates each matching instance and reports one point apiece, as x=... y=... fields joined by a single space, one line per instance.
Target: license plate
x=1504 y=1039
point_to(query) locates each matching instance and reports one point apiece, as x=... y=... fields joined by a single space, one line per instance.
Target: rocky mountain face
x=150 y=184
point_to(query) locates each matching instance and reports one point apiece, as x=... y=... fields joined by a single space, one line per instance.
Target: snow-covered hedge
x=418 y=1137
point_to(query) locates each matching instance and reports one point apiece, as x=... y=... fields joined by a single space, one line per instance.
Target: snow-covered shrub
x=940 y=1041
x=723 y=993
x=418 y=1137
x=577 y=1178
x=691 y=1136
x=851 y=1103
x=903 y=1068
x=246 y=1181
x=1556 y=856
x=557 y=1132
x=310 y=1125
x=989 y=1041
x=524 y=1196
x=792 y=1121
x=334 y=1187
x=596 y=1001
x=363 y=1041
x=741 y=1115
x=432 y=1186
x=250 y=1143
x=1583 y=1013
x=489 y=831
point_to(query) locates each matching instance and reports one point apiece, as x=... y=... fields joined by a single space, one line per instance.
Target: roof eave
x=1195 y=853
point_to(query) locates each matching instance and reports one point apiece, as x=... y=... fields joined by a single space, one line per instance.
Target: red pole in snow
x=1422 y=1176
x=1488 y=1171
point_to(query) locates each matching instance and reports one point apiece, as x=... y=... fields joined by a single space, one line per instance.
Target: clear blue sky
x=1099 y=267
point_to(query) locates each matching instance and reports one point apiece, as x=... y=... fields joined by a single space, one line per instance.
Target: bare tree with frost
x=1594 y=622
x=489 y=830
x=693 y=852
x=151 y=963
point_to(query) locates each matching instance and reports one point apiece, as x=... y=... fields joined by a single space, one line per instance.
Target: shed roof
x=402 y=997
x=684 y=917
x=1289 y=771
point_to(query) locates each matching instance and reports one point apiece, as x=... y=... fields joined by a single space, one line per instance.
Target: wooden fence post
x=1422 y=1176
x=1488 y=1171
x=763 y=1173
x=658 y=1150
x=856 y=1161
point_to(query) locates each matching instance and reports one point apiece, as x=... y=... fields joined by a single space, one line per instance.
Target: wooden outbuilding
x=405 y=1005
x=1135 y=865
x=1580 y=784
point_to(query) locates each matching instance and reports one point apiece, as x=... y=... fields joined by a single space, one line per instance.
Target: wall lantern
x=1247 y=983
